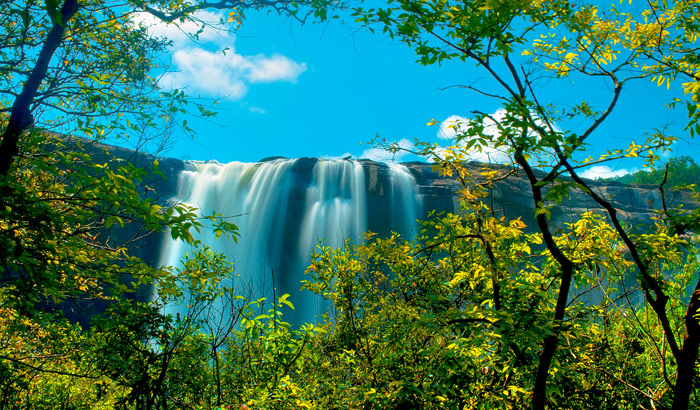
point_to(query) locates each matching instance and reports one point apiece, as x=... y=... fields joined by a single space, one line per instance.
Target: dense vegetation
x=474 y=313
x=677 y=172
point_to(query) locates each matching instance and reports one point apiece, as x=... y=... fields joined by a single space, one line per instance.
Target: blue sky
x=328 y=89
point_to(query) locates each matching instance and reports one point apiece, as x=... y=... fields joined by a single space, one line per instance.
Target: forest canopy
x=677 y=172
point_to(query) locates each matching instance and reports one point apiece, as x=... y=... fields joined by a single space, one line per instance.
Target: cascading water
x=285 y=208
x=335 y=205
x=405 y=201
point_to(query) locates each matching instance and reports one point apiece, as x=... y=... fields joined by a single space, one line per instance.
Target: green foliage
x=678 y=172
x=474 y=313
x=430 y=323
x=91 y=70
x=73 y=73
x=63 y=220
x=517 y=44
x=440 y=323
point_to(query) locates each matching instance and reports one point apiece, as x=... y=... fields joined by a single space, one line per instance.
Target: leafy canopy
x=524 y=47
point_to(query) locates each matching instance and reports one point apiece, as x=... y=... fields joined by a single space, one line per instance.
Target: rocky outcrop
x=512 y=196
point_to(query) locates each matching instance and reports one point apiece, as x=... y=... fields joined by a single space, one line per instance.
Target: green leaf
x=52 y=9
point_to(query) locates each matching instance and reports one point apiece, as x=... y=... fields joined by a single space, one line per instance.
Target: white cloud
x=256 y=110
x=382 y=155
x=603 y=171
x=261 y=69
x=486 y=155
x=230 y=74
x=456 y=124
x=451 y=126
x=180 y=33
x=223 y=73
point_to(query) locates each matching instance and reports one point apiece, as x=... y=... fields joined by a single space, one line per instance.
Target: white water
x=283 y=213
x=406 y=201
x=335 y=205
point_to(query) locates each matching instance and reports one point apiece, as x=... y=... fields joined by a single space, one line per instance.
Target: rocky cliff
x=511 y=197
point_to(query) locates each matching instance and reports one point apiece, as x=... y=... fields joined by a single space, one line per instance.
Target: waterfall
x=284 y=209
x=406 y=201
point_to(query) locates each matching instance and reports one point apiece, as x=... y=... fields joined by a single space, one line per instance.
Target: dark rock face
x=512 y=198
x=160 y=186
x=379 y=209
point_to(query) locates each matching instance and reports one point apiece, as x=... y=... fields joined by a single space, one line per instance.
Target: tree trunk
x=217 y=376
x=688 y=355
x=21 y=116
x=549 y=347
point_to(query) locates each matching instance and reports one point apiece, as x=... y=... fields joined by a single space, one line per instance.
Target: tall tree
x=90 y=69
x=73 y=72
x=519 y=43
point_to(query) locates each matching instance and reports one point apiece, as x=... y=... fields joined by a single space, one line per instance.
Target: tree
x=455 y=318
x=72 y=73
x=50 y=69
x=520 y=43
x=88 y=69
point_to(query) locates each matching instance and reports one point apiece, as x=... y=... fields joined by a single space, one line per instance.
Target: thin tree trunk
x=217 y=376
x=21 y=116
x=688 y=355
x=549 y=346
